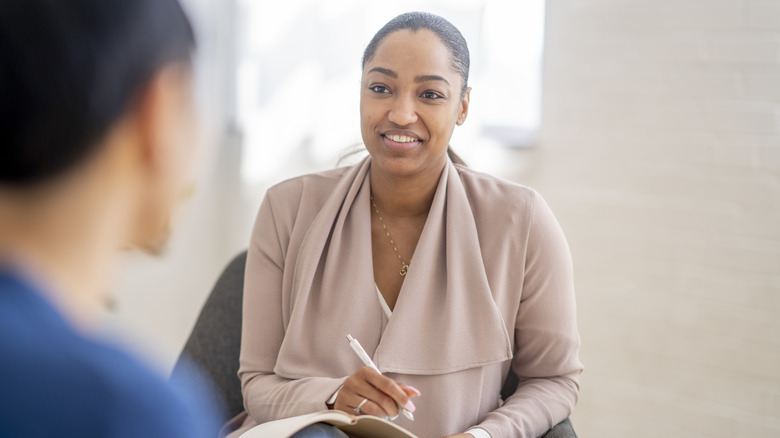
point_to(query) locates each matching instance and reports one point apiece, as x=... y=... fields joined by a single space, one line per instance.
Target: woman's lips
x=400 y=142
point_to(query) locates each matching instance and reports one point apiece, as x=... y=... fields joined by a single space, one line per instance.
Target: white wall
x=661 y=158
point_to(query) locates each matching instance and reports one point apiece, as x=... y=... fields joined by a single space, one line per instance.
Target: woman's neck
x=405 y=196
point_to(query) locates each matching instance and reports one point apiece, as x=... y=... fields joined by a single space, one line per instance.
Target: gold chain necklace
x=404 y=265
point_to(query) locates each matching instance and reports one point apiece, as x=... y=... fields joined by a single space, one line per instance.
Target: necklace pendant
x=404 y=270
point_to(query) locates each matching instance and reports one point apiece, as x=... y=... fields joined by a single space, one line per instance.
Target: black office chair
x=215 y=343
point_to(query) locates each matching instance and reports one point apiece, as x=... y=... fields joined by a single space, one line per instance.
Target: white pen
x=361 y=353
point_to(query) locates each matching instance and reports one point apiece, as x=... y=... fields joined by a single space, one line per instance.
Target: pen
x=361 y=353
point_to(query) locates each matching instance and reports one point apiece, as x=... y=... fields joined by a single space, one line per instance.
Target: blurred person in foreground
x=96 y=116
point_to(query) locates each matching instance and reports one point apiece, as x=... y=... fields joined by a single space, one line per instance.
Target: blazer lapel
x=332 y=292
x=445 y=319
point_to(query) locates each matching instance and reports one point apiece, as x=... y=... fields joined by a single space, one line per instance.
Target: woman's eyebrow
x=418 y=79
x=426 y=78
x=385 y=71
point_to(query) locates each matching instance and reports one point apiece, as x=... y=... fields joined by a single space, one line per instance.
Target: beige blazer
x=489 y=289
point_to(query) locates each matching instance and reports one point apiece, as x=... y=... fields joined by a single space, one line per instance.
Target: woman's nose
x=403 y=111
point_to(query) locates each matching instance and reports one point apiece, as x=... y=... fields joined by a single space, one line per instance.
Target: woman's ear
x=463 y=111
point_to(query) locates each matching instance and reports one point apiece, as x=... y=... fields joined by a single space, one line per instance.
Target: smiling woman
x=410 y=110
x=454 y=281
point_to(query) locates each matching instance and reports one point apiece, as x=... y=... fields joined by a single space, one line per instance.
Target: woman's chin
x=404 y=164
x=393 y=164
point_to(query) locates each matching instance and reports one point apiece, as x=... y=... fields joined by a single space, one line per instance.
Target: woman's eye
x=381 y=89
x=431 y=95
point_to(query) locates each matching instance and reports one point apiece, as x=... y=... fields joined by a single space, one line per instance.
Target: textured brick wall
x=661 y=157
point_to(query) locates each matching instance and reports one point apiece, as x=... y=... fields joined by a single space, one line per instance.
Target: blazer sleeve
x=268 y=396
x=546 y=338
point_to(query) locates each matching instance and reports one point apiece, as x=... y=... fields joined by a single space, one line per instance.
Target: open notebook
x=363 y=426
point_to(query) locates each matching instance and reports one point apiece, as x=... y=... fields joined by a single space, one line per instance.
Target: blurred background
x=652 y=128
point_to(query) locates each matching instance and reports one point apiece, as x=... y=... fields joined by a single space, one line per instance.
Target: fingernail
x=414 y=389
x=409 y=406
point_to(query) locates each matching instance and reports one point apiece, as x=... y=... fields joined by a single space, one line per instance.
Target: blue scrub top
x=56 y=382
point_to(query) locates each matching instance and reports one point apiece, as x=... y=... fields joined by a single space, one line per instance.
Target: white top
x=383 y=303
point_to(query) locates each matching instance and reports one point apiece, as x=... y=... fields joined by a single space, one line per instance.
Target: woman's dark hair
x=447 y=33
x=70 y=69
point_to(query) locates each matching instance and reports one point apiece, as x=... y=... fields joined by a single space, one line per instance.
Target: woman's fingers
x=348 y=404
x=385 y=403
x=362 y=385
x=411 y=391
x=370 y=407
x=389 y=387
x=383 y=394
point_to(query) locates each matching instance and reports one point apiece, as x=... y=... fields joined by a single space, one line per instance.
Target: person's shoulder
x=302 y=195
x=143 y=402
x=487 y=189
x=66 y=384
x=320 y=182
x=127 y=397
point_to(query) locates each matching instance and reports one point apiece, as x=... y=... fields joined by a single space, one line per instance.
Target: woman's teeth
x=401 y=138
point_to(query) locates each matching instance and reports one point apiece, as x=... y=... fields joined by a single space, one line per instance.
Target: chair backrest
x=214 y=344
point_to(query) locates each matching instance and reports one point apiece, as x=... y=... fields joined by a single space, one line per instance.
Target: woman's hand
x=383 y=395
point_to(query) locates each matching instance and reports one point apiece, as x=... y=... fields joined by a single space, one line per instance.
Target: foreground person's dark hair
x=69 y=69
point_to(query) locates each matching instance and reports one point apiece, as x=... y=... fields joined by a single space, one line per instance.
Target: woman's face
x=410 y=102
